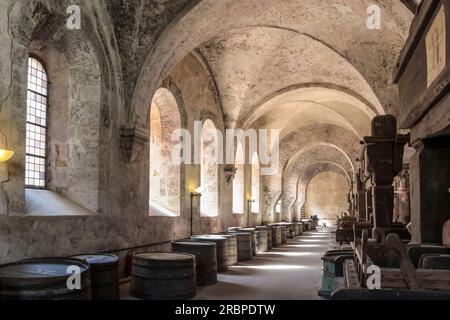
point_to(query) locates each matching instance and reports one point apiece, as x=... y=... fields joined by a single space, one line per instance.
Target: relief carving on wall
x=436 y=47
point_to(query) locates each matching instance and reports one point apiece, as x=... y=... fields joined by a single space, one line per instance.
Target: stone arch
x=210 y=144
x=238 y=181
x=165 y=174
x=305 y=177
x=256 y=186
x=173 y=42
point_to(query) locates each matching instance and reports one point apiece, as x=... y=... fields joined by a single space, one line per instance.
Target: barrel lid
x=247 y=229
x=164 y=256
x=192 y=242
x=227 y=234
x=98 y=258
x=41 y=268
x=209 y=237
x=242 y=234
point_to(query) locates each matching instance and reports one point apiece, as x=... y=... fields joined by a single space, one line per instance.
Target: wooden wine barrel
x=276 y=236
x=261 y=241
x=45 y=279
x=253 y=233
x=300 y=228
x=163 y=276
x=221 y=249
x=244 y=245
x=269 y=235
x=206 y=258
x=232 y=256
x=104 y=275
x=306 y=226
x=296 y=229
x=283 y=230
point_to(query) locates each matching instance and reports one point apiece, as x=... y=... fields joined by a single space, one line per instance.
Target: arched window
x=238 y=182
x=278 y=207
x=36 y=126
x=165 y=175
x=255 y=183
x=209 y=203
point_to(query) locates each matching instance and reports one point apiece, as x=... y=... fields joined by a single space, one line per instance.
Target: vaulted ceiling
x=293 y=65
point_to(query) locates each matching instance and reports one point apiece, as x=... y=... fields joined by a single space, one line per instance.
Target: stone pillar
x=430 y=183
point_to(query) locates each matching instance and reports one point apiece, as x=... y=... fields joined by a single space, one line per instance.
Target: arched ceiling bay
x=308 y=106
x=297 y=140
x=253 y=64
x=309 y=173
x=318 y=153
x=337 y=25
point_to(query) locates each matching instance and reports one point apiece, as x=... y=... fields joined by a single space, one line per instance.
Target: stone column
x=430 y=184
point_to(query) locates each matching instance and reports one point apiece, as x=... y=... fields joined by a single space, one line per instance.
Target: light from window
x=36 y=134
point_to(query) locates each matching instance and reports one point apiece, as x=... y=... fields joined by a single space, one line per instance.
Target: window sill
x=159 y=211
x=44 y=203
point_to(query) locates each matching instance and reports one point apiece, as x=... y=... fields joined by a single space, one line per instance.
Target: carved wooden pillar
x=384 y=160
x=402 y=212
x=361 y=199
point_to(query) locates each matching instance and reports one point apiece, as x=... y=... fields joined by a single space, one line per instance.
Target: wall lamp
x=197 y=193
x=249 y=205
x=5 y=155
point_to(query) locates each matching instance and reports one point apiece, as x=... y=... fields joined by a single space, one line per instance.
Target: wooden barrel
x=300 y=228
x=206 y=258
x=45 y=279
x=244 y=245
x=269 y=235
x=276 y=236
x=261 y=241
x=306 y=226
x=104 y=275
x=253 y=233
x=289 y=228
x=232 y=255
x=296 y=229
x=283 y=230
x=221 y=249
x=163 y=276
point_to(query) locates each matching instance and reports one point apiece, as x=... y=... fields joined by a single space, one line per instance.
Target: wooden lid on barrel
x=193 y=243
x=211 y=237
x=98 y=259
x=227 y=234
x=168 y=257
x=41 y=268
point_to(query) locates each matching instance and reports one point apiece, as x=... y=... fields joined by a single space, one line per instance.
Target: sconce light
x=230 y=173
x=196 y=193
x=249 y=202
x=5 y=155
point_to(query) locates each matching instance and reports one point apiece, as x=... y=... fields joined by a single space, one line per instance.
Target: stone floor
x=291 y=272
